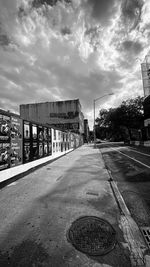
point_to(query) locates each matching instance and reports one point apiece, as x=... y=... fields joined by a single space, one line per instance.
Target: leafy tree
x=102 y=117
x=119 y=122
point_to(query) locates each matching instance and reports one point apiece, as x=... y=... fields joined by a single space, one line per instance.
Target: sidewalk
x=74 y=186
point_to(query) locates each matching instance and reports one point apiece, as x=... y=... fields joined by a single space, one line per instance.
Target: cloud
x=132 y=47
x=131 y=12
x=103 y=10
x=129 y=50
x=58 y=50
x=4 y=40
x=65 y=30
x=38 y=3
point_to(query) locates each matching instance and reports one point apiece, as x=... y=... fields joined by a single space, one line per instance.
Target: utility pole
x=94 y=101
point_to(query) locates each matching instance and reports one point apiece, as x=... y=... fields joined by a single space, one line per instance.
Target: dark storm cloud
x=132 y=47
x=38 y=3
x=21 y=12
x=129 y=51
x=103 y=10
x=131 y=11
x=65 y=30
x=4 y=39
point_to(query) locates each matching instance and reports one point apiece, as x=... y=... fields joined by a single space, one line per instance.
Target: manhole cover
x=92 y=235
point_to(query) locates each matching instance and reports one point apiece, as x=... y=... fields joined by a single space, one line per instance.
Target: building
x=65 y=115
x=145 y=68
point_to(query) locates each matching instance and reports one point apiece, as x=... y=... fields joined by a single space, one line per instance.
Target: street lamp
x=94 y=114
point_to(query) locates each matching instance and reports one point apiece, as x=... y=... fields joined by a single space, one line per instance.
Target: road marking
x=137 y=151
x=140 y=152
x=131 y=158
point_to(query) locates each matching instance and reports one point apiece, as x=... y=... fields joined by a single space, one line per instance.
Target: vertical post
x=94 y=132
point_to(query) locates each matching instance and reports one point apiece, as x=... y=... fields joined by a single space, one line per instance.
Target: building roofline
x=77 y=99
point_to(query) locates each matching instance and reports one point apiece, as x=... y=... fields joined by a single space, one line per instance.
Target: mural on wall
x=40 y=133
x=16 y=141
x=27 y=152
x=50 y=148
x=26 y=143
x=34 y=150
x=4 y=155
x=49 y=141
x=45 y=149
x=26 y=131
x=34 y=132
x=4 y=128
x=45 y=134
x=4 y=141
x=23 y=141
x=34 y=142
x=40 y=150
x=54 y=148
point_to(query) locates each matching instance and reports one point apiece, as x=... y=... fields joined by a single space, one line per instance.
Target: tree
x=120 y=121
x=102 y=116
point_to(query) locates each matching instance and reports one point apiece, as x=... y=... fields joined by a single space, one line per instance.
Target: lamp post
x=94 y=101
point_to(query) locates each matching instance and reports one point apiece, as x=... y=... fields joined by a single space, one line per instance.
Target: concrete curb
x=131 y=231
x=132 y=234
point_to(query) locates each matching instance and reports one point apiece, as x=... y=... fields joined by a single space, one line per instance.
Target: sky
x=53 y=50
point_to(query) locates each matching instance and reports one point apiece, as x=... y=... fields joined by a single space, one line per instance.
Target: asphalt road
x=130 y=167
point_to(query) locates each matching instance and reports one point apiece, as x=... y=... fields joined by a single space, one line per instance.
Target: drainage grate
x=146 y=234
x=92 y=235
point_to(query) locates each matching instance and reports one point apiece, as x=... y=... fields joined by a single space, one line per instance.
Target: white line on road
x=148 y=155
x=140 y=152
x=131 y=158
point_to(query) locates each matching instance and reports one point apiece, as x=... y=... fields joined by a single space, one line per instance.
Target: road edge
x=131 y=231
